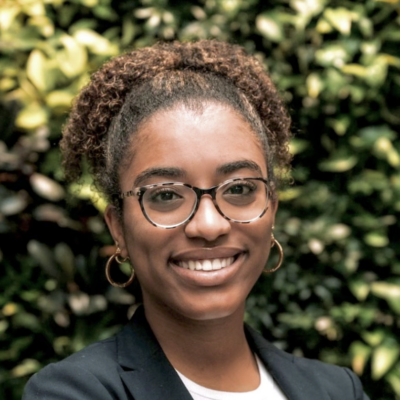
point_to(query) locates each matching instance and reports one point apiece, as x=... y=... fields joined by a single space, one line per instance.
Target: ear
x=114 y=224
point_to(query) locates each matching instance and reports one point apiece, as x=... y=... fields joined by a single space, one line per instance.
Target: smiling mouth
x=206 y=264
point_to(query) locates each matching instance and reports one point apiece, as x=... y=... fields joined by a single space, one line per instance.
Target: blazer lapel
x=147 y=373
x=296 y=383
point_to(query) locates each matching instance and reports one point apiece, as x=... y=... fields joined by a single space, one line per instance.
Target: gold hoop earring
x=280 y=250
x=119 y=260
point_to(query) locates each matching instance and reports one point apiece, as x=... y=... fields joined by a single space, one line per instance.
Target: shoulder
x=307 y=376
x=90 y=373
x=339 y=382
x=99 y=357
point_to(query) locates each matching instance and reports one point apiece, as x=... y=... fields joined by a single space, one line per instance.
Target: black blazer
x=132 y=366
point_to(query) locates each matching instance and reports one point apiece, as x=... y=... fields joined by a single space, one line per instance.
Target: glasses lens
x=243 y=200
x=169 y=205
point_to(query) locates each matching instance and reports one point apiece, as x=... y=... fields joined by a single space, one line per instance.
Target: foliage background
x=337 y=297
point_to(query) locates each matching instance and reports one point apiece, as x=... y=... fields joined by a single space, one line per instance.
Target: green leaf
x=360 y=354
x=33 y=8
x=314 y=85
x=338 y=231
x=36 y=69
x=386 y=290
x=95 y=42
x=46 y=187
x=66 y=259
x=340 y=124
x=339 y=163
x=89 y=3
x=59 y=98
x=8 y=14
x=308 y=7
x=383 y=358
x=42 y=254
x=394 y=378
x=269 y=25
x=340 y=18
x=373 y=338
x=26 y=367
x=384 y=148
x=44 y=24
x=355 y=69
x=376 y=239
x=359 y=288
x=86 y=191
x=298 y=145
x=72 y=60
x=323 y=26
x=31 y=117
x=129 y=31
x=14 y=204
x=332 y=55
x=289 y=194
x=26 y=320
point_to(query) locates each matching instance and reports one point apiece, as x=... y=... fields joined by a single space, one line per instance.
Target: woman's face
x=202 y=149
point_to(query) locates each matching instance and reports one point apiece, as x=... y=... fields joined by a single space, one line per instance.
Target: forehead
x=195 y=141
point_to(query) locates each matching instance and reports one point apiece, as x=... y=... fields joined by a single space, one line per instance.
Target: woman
x=183 y=139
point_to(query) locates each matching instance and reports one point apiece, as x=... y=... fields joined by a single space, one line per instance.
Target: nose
x=207 y=223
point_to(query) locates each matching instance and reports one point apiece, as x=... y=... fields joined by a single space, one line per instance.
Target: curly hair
x=131 y=87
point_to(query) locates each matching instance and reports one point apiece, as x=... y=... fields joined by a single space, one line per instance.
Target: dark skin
x=223 y=358
x=197 y=315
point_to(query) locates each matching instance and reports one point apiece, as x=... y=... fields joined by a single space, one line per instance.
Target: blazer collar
x=296 y=383
x=148 y=374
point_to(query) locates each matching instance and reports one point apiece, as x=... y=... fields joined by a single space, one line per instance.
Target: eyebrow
x=237 y=165
x=165 y=172
x=170 y=172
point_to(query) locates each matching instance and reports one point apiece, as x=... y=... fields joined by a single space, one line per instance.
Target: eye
x=239 y=193
x=162 y=195
x=165 y=199
x=240 y=188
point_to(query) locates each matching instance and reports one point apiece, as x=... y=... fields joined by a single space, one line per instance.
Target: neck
x=212 y=353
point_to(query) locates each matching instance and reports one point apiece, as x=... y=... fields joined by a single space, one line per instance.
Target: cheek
x=141 y=241
x=136 y=233
x=260 y=237
x=146 y=244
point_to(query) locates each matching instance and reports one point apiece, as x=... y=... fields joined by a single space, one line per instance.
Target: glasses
x=168 y=205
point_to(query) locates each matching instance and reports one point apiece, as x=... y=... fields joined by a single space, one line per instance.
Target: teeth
x=206 y=265
x=192 y=265
x=217 y=264
x=198 y=265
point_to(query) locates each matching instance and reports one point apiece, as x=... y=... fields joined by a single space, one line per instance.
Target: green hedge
x=337 y=296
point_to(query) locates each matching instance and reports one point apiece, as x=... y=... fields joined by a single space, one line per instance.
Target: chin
x=213 y=315
x=211 y=310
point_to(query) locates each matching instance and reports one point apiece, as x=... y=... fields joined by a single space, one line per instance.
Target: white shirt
x=267 y=390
